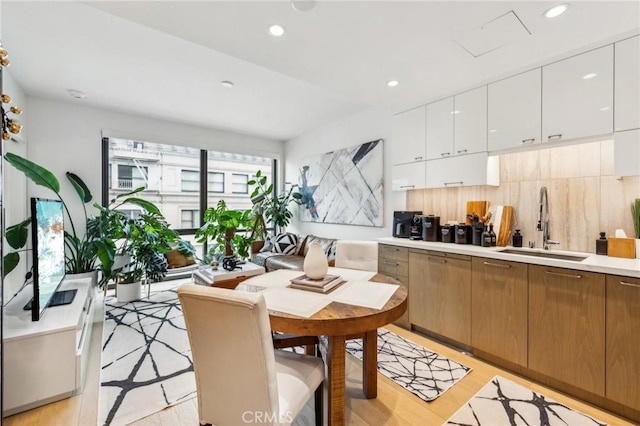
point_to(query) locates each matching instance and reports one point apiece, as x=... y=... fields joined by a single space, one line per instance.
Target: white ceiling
x=166 y=59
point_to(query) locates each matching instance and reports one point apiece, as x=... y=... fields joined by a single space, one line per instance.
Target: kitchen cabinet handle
x=629 y=284
x=525 y=141
x=453 y=183
x=499 y=265
x=444 y=154
x=387 y=262
x=407 y=186
x=461 y=151
x=417 y=158
x=564 y=275
x=558 y=136
x=437 y=258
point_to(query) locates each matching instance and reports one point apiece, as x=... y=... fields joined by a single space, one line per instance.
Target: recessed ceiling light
x=303 y=5
x=492 y=131
x=455 y=112
x=605 y=108
x=392 y=83
x=276 y=30
x=556 y=11
x=77 y=94
x=226 y=83
x=589 y=76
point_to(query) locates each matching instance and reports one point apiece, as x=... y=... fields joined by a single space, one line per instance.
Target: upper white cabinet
x=577 y=96
x=440 y=129
x=627 y=87
x=463 y=170
x=470 y=121
x=515 y=115
x=408 y=136
x=626 y=153
x=408 y=176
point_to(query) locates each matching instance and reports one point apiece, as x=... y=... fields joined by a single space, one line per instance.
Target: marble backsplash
x=585 y=197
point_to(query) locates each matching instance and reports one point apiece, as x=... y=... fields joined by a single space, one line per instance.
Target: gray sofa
x=265 y=254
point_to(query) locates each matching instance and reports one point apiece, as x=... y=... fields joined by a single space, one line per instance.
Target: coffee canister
x=462 y=234
x=446 y=232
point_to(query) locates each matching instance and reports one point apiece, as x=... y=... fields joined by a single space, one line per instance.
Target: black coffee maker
x=402 y=222
x=416 y=227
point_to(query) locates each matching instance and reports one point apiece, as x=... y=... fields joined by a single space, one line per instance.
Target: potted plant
x=220 y=227
x=142 y=242
x=274 y=207
x=82 y=252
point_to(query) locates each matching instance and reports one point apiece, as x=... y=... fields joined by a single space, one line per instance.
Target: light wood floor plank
x=393 y=406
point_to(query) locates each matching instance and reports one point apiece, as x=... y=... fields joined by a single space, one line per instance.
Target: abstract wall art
x=343 y=186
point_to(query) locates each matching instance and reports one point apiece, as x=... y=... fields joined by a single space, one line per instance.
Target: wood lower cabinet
x=499 y=309
x=440 y=288
x=623 y=340
x=567 y=326
x=393 y=262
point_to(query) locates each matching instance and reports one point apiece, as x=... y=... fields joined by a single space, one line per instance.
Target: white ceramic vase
x=315 y=262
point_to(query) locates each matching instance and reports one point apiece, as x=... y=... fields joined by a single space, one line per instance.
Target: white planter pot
x=129 y=292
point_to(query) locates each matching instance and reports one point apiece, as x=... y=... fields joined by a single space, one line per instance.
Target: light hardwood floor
x=393 y=406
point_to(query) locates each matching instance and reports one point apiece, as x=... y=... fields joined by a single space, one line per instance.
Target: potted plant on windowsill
x=82 y=251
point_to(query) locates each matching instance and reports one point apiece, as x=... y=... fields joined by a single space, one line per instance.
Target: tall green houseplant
x=274 y=207
x=635 y=214
x=82 y=251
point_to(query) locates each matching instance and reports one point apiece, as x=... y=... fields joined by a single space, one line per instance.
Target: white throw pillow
x=285 y=243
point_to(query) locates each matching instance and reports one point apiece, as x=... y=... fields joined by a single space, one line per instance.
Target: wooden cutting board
x=478 y=207
x=504 y=231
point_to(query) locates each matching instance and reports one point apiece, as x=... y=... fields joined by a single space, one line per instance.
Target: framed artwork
x=344 y=186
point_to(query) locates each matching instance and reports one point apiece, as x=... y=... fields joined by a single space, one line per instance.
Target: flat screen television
x=47 y=238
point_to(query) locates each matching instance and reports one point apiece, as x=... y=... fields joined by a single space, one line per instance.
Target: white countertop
x=592 y=263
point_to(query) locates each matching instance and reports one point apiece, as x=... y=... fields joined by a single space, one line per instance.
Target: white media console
x=45 y=361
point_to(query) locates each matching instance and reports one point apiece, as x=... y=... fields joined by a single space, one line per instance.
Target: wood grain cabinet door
x=567 y=326
x=442 y=299
x=393 y=262
x=623 y=340
x=499 y=309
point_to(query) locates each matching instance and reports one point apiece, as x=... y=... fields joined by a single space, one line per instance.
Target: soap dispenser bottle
x=517 y=239
x=602 y=244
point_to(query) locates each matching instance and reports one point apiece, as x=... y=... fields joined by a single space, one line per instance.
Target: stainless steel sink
x=549 y=254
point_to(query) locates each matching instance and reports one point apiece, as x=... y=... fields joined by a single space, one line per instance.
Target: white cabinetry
x=627 y=87
x=464 y=170
x=515 y=111
x=470 y=121
x=626 y=153
x=577 y=96
x=408 y=136
x=45 y=361
x=440 y=129
x=408 y=176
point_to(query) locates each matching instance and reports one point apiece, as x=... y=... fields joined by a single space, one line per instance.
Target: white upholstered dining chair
x=352 y=254
x=240 y=378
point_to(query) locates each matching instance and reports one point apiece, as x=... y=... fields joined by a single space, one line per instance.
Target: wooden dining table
x=340 y=322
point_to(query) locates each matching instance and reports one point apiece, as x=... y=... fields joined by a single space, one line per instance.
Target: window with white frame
x=190 y=181
x=132 y=176
x=215 y=182
x=239 y=183
x=189 y=219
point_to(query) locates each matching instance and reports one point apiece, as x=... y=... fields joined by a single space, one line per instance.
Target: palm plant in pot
x=274 y=207
x=83 y=252
x=142 y=242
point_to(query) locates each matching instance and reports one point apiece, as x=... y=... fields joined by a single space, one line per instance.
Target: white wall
x=66 y=136
x=365 y=126
x=15 y=184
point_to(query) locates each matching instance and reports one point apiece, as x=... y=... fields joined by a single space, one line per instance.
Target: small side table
x=226 y=279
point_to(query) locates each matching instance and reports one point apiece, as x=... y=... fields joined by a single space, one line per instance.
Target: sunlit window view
x=171 y=176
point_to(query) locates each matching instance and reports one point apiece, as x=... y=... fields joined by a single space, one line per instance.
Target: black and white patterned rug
x=422 y=372
x=503 y=402
x=146 y=359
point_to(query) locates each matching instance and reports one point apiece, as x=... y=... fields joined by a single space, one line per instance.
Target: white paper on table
x=364 y=293
x=277 y=278
x=352 y=274
x=296 y=302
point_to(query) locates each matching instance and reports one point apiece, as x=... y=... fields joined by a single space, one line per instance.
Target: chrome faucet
x=543 y=219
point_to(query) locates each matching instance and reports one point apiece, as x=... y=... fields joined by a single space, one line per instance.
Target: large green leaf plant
x=82 y=251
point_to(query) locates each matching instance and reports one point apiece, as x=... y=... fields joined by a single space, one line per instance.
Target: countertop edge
x=593 y=262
